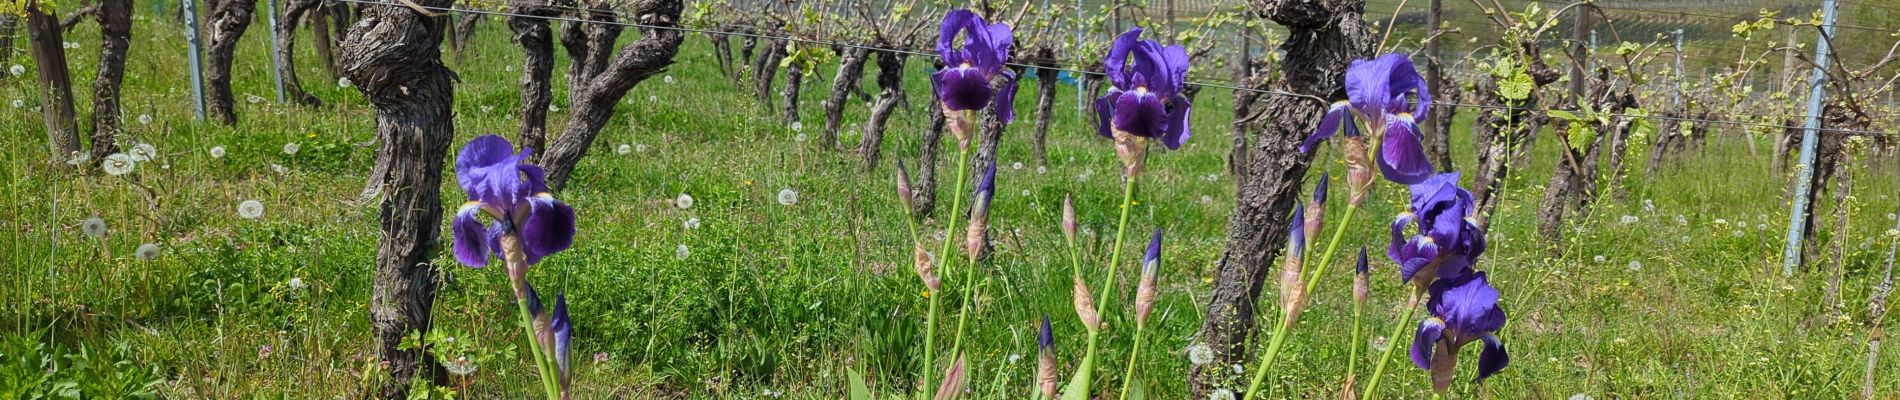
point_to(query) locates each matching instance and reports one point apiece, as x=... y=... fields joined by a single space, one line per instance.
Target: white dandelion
x=1680 y=220
x=1016 y=165
x=280 y=169
x=554 y=108
x=145 y=119
x=1381 y=343
x=292 y=148
x=1025 y=192
x=623 y=149
x=1200 y=354
x=1739 y=233
x=487 y=109
x=653 y=99
x=1890 y=216
x=146 y=252
x=1761 y=227
x=681 y=252
x=296 y=283
x=93 y=227
x=787 y=196
x=119 y=164
x=1635 y=265
x=250 y=209
x=17 y=70
x=1041 y=170
x=668 y=79
x=217 y=152
x=460 y=366
x=253 y=99
x=1013 y=357
x=1649 y=206
x=344 y=83
x=800 y=138
x=1601 y=259
x=79 y=158
x=1221 y=394
x=17 y=103
x=691 y=223
x=142 y=152
x=642 y=148
x=685 y=201
x=1628 y=219
x=798 y=126
x=1207 y=199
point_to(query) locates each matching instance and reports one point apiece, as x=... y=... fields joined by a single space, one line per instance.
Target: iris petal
x=1117 y=60
x=1105 y=111
x=1178 y=129
x=954 y=22
x=1468 y=304
x=1398 y=237
x=563 y=337
x=1141 y=114
x=962 y=88
x=1415 y=256
x=1328 y=126
x=1402 y=157
x=487 y=168
x=471 y=239
x=1494 y=358
x=1005 y=103
x=548 y=229
x=1429 y=331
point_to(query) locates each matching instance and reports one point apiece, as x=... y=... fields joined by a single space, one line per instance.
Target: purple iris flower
x=1446 y=238
x=1146 y=100
x=563 y=339
x=514 y=195
x=986 y=185
x=1464 y=310
x=964 y=82
x=1390 y=96
x=1153 y=257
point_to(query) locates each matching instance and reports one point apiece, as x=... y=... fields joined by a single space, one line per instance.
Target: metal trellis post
x=1817 y=88
x=197 y=63
x=276 y=45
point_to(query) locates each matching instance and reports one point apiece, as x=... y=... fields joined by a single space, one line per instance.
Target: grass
x=770 y=300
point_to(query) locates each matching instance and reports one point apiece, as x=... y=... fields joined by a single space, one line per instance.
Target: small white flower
x=70 y=45
x=1761 y=226
x=253 y=99
x=1025 y=192
x=291 y=148
x=1238 y=369
x=771 y=393
x=1649 y=206
x=800 y=138
x=1221 y=394
x=1739 y=233
x=1207 y=199
x=1890 y=216
x=668 y=79
x=119 y=164
x=17 y=103
x=691 y=223
x=79 y=158
x=681 y=252
x=684 y=201
x=460 y=366
x=653 y=99
x=624 y=149
x=146 y=252
x=787 y=196
x=1041 y=170
x=1381 y=343
x=554 y=108
x=296 y=283
x=1629 y=219
x=1721 y=221
x=642 y=148
x=17 y=70
x=250 y=209
x=1016 y=165
x=93 y=227
x=1601 y=259
x=797 y=126
x=1680 y=220
x=344 y=83
x=145 y=119
x=1013 y=357
x=142 y=152
x=217 y=152
x=487 y=109
x=279 y=169
x=1636 y=265
x=1200 y=354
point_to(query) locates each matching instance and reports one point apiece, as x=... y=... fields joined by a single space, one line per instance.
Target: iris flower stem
x=1114 y=259
x=1078 y=387
x=517 y=260
x=1279 y=332
x=969 y=296
x=1128 y=376
x=1372 y=388
x=956 y=209
x=1352 y=360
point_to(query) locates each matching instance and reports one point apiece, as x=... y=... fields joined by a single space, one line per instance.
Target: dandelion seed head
x=292 y=148
x=1239 y=369
x=787 y=196
x=640 y=148
x=1013 y=357
x=624 y=149
x=17 y=70
x=143 y=152
x=279 y=169
x=296 y=283
x=1221 y=394
x=1628 y=219
x=684 y=201
x=1016 y=165
x=1025 y=192
x=1600 y=259
x=1207 y=199
x=253 y=99
x=118 y=164
x=93 y=227
x=17 y=103
x=79 y=158
x=1041 y=170
x=146 y=252
x=460 y=366
x=691 y=223
x=681 y=252
x=1681 y=220
x=798 y=126
x=250 y=209
x=1635 y=265
x=344 y=83
x=653 y=99
x=800 y=138
x=668 y=79
x=145 y=119
x=1200 y=354
x=217 y=152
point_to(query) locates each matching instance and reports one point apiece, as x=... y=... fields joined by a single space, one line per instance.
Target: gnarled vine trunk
x=929 y=147
x=530 y=25
x=1045 y=112
x=394 y=56
x=850 y=73
x=1325 y=36
x=294 y=11
x=788 y=95
x=115 y=32
x=56 y=84
x=593 y=101
x=228 y=21
x=765 y=70
x=890 y=81
x=1504 y=131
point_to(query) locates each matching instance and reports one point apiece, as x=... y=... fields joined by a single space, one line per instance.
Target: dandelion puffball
x=250 y=209
x=797 y=126
x=217 y=152
x=1016 y=165
x=681 y=252
x=118 y=164
x=93 y=227
x=691 y=223
x=292 y=148
x=17 y=70
x=143 y=152
x=685 y=201
x=145 y=119
x=800 y=138
x=642 y=148
x=623 y=149
x=146 y=252
x=1200 y=354
x=787 y=197
x=344 y=82
x=296 y=283
x=668 y=79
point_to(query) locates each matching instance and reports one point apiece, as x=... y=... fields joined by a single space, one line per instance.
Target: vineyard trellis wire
x=1201 y=81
